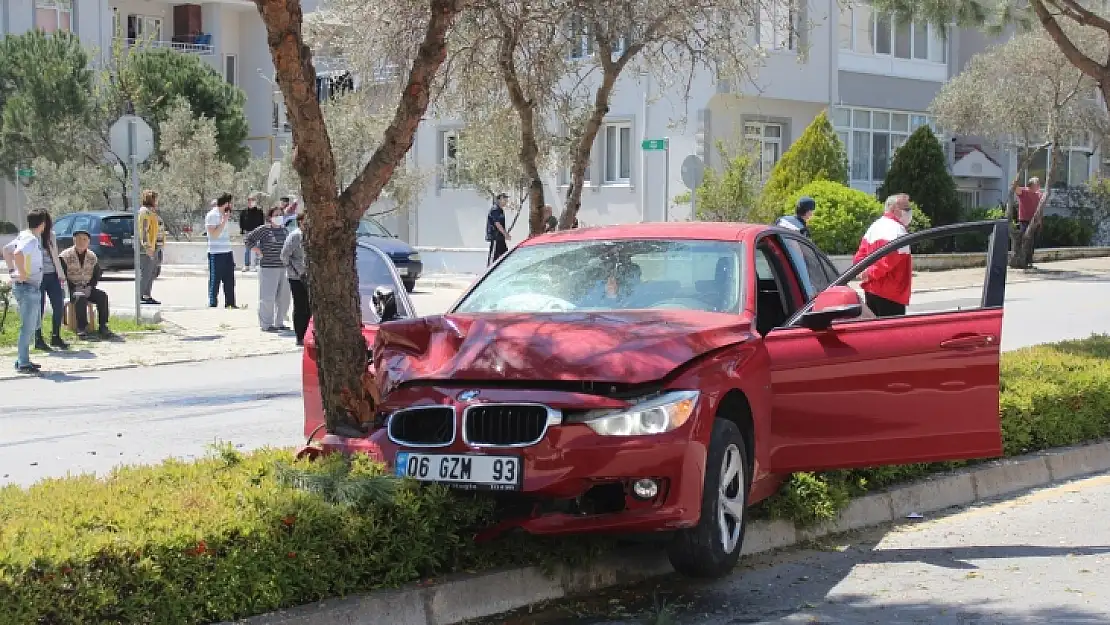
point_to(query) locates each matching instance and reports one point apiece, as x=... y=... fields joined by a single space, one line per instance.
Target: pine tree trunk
x=332 y=218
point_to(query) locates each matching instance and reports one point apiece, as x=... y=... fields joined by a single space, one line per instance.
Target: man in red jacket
x=886 y=284
x=1029 y=198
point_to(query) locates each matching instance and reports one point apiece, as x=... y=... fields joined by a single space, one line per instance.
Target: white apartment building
x=875 y=76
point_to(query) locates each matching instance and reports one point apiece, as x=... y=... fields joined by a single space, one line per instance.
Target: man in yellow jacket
x=148 y=240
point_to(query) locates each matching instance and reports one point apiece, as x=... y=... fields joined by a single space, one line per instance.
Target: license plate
x=127 y=241
x=402 y=271
x=463 y=471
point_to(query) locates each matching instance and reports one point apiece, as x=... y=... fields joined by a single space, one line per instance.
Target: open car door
x=851 y=390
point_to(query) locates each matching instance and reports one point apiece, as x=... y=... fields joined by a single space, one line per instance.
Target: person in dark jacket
x=803 y=211
x=251 y=218
x=496 y=233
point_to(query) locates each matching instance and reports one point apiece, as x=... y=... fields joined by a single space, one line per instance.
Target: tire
x=701 y=551
x=410 y=285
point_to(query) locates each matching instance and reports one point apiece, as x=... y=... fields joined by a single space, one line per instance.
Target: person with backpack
x=803 y=211
x=496 y=233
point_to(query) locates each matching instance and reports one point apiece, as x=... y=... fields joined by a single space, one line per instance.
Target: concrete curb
x=475 y=596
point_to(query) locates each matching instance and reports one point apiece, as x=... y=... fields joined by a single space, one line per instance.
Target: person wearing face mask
x=273 y=287
x=221 y=262
x=886 y=284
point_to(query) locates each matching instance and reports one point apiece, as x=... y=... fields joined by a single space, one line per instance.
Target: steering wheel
x=539 y=302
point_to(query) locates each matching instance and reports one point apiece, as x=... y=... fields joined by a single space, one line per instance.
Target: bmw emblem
x=467 y=395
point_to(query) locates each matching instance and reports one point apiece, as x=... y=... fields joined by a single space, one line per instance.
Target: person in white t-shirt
x=23 y=256
x=221 y=261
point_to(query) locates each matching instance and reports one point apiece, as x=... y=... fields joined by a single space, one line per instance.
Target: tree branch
x=1086 y=65
x=398 y=137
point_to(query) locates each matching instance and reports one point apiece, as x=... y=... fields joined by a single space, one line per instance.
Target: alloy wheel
x=730 y=499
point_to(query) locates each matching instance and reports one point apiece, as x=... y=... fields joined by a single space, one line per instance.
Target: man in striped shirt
x=273 y=288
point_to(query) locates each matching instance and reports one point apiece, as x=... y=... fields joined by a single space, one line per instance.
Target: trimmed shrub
x=817 y=155
x=730 y=195
x=227 y=537
x=1060 y=231
x=7 y=227
x=920 y=169
x=1050 y=396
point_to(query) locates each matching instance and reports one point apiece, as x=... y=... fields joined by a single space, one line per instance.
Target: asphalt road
x=93 y=421
x=1025 y=560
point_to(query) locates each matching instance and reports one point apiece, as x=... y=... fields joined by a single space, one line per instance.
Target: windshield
x=374 y=270
x=612 y=275
x=370 y=228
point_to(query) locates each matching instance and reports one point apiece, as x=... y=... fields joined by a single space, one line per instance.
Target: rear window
x=118 y=226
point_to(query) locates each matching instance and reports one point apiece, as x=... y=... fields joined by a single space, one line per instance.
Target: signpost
x=24 y=176
x=655 y=145
x=131 y=135
x=693 y=171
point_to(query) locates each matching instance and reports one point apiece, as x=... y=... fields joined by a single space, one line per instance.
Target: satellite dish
x=272 y=179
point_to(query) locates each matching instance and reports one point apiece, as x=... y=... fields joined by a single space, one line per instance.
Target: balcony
x=201 y=49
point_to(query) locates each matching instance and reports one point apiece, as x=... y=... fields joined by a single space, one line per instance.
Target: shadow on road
x=812 y=585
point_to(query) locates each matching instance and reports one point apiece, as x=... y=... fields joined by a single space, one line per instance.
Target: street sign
x=144 y=138
x=693 y=170
x=654 y=144
x=25 y=172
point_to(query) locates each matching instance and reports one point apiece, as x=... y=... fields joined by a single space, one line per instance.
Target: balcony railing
x=184 y=48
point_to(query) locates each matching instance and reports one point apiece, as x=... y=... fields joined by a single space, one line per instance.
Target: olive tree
x=1025 y=93
x=415 y=34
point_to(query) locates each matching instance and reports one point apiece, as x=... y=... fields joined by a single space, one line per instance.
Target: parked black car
x=407 y=259
x=112 y=234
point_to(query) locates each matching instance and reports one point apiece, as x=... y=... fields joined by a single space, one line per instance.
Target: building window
x=777 y=28
x=587 y=175
x=144 y=27
x=871 y=138
x=1070 y=168
x=53 y=15
x=230 y=66
x=766 y=144
x=618 y=153
x=863 y=31
x=453 y=175
x=581 y=41
x=968 y=199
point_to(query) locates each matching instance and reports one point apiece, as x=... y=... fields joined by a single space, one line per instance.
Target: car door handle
x=969 y=342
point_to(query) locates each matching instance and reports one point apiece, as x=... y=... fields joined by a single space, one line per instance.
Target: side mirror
x=385 y=303
x=838 y=302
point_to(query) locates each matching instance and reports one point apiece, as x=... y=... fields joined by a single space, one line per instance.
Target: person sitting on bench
x=82 y=273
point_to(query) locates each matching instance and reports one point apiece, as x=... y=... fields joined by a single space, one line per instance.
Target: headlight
x=654 y=416
x=414 y=256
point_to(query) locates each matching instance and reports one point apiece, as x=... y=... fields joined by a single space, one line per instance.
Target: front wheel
x=711 y=548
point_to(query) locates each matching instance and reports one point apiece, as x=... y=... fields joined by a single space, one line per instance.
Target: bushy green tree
x=731 y=195
x=45 y=84
x=843 y=214
x=156 y=78
x=920 y=170
x=817 y=155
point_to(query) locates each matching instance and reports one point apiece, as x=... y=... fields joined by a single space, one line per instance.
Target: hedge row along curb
x=488 y=594
x=225 y=538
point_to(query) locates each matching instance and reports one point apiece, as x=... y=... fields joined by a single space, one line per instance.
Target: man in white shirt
x=23 y=256
x=221 y=261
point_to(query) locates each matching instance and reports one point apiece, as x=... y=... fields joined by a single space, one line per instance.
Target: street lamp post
x=273 y=107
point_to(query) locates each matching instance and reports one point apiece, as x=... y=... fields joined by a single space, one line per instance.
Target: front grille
x=505 y=424
x=427 y=427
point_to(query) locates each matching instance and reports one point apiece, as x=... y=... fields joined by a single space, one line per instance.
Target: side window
x=63 y=226
x=809 y=266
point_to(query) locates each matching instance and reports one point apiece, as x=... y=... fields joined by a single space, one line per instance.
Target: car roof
x=686 y=230
x=100 y=214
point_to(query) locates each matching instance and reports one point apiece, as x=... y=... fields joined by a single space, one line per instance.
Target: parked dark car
x=406 y=259
x=112 y=234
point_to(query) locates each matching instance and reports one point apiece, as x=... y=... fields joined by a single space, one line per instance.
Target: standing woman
x=292 y=255
x=53 y=277
x=273 y=287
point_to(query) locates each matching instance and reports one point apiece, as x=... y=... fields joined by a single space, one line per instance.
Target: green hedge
x=843 y=215
x=235 y=535
x=1051 y=396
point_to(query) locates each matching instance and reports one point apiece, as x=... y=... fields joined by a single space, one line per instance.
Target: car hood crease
x=626 y=347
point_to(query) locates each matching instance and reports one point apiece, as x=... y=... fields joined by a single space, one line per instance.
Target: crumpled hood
x=627 y=347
